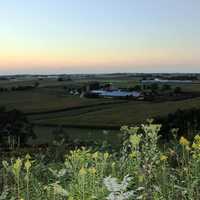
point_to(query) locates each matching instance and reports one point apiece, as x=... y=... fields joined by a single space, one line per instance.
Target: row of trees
x=156 y=88
x=20 y=88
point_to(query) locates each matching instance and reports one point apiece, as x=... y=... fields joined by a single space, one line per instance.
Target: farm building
x=165 y=81
x=116 y=93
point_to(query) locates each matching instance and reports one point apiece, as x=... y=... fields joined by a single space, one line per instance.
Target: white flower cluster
x=118 y=191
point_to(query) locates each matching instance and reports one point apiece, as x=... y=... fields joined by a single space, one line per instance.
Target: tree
x=166 y=87
x=94 y=85
x=15 y=124
x=60 y=79
x=154 y=87
x=36 y=84
x=177 y=90
x=137 y=88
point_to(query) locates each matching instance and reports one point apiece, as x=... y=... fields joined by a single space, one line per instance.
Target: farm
x=49 y=105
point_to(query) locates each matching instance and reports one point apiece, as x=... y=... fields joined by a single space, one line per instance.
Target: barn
x=116 y=93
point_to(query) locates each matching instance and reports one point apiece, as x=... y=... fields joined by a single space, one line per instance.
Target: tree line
x=182 y=122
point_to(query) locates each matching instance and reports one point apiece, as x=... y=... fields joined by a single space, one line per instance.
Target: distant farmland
x=117 y=114
x=79 y=116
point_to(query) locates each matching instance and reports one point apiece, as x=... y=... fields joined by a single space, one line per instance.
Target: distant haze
x=99 y=36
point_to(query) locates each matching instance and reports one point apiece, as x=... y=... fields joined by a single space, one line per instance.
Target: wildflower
x=113 y=164
x=70 y=198
x=185 y=169
x=59 y=173
x=140 y=178
x=118 y=191
x=58 y=189
x=4 y=193
x=106 y=155
x=196 y=143
x=133 y=154
x=184 y=142
x=27 y=165
x=5 y=164
x=194 y=156
x=172 y=152
x=16 y=168
x=95 y=155
x=188 y=148
x=135 y=140
x=92 y=170
x=28 y=157
x=163 y=157
x=82 y=171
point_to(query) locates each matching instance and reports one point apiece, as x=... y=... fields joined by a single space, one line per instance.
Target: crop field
x=127 y=113
x=43 y=99
x=57 y=108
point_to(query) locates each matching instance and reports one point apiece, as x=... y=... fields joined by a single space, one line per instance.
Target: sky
x=99 y=36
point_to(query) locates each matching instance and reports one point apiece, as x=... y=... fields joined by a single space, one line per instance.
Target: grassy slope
x=128 y=113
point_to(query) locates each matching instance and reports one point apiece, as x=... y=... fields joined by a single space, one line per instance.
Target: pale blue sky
x=87 y=35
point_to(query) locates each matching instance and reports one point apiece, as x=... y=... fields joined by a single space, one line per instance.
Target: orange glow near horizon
x=90 y=36
x=50 y=59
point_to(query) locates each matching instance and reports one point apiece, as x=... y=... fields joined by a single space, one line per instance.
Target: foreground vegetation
x=142 y=169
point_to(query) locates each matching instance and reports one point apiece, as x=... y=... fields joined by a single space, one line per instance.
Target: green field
x=128 y=113
x=43 y=99
x=105 y=113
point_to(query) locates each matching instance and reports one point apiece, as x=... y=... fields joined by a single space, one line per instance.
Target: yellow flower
x=133 y=154
x=82 y=171
x=184 y=142
x=141 y=178
x=163 y=157
x=106 y=155
x=113 y=164
x=197 y=138
x=27 y=165
x=28 y=157
x=135 y=140
x=95 y=155
x=196 y=143
x=92 y=170
x=194 y=156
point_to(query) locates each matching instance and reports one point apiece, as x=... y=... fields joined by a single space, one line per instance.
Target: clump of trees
x=2 y=89
x=64 y=78
x=15 y=128
x=177 y=90
x=186 y=122
x=20 y=88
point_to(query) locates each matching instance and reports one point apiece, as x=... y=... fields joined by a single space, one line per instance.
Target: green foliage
x=140 y=170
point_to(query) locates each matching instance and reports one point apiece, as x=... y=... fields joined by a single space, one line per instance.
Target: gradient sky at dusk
x=97 y=36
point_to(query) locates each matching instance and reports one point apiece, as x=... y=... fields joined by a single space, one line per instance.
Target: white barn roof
x=116 y=93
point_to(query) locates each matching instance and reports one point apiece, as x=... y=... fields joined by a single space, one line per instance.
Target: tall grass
x=140 y=170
